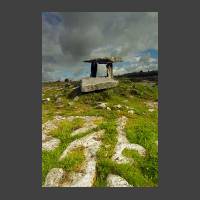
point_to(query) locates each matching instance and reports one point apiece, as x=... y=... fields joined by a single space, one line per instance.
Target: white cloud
x=79 y=36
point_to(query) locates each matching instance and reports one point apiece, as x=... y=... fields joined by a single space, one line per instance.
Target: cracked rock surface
x=123 y=143
x=87 y=126
x=117 y=181
x=54 y=177
x=49 y=143
x=90 y=143
x=86 y=176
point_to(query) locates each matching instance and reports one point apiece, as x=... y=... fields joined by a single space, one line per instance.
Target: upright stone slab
x=93 y=69
x=98 y=83
x=109 y=68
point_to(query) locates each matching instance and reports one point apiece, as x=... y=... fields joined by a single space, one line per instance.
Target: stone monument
x=93 y=82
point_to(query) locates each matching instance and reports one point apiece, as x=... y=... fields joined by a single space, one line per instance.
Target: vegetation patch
x=141 y=128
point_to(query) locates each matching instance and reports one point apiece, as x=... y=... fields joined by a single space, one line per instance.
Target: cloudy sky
x=68 y=38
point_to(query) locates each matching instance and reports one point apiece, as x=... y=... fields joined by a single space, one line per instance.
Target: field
x=135 y=102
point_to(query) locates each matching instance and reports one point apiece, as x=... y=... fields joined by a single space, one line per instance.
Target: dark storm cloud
x=69 y=38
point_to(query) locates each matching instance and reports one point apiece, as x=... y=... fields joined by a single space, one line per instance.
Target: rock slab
x=123 y=143
x=54 y=177
x=97 y=83
x=117 y=181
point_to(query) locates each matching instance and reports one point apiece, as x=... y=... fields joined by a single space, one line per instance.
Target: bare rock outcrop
x=117 y=181
x=123 y=143
x=86 y=176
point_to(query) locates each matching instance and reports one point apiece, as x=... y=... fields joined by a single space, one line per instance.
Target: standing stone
x=109 y=68
x=93 y=69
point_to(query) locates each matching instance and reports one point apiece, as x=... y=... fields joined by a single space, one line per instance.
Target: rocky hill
x=107 y=138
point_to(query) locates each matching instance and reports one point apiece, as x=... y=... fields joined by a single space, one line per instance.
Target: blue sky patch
x=52 y=18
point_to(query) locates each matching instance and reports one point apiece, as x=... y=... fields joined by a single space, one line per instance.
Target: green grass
x=72 y=161
x=144 y=131
x=141 y=128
